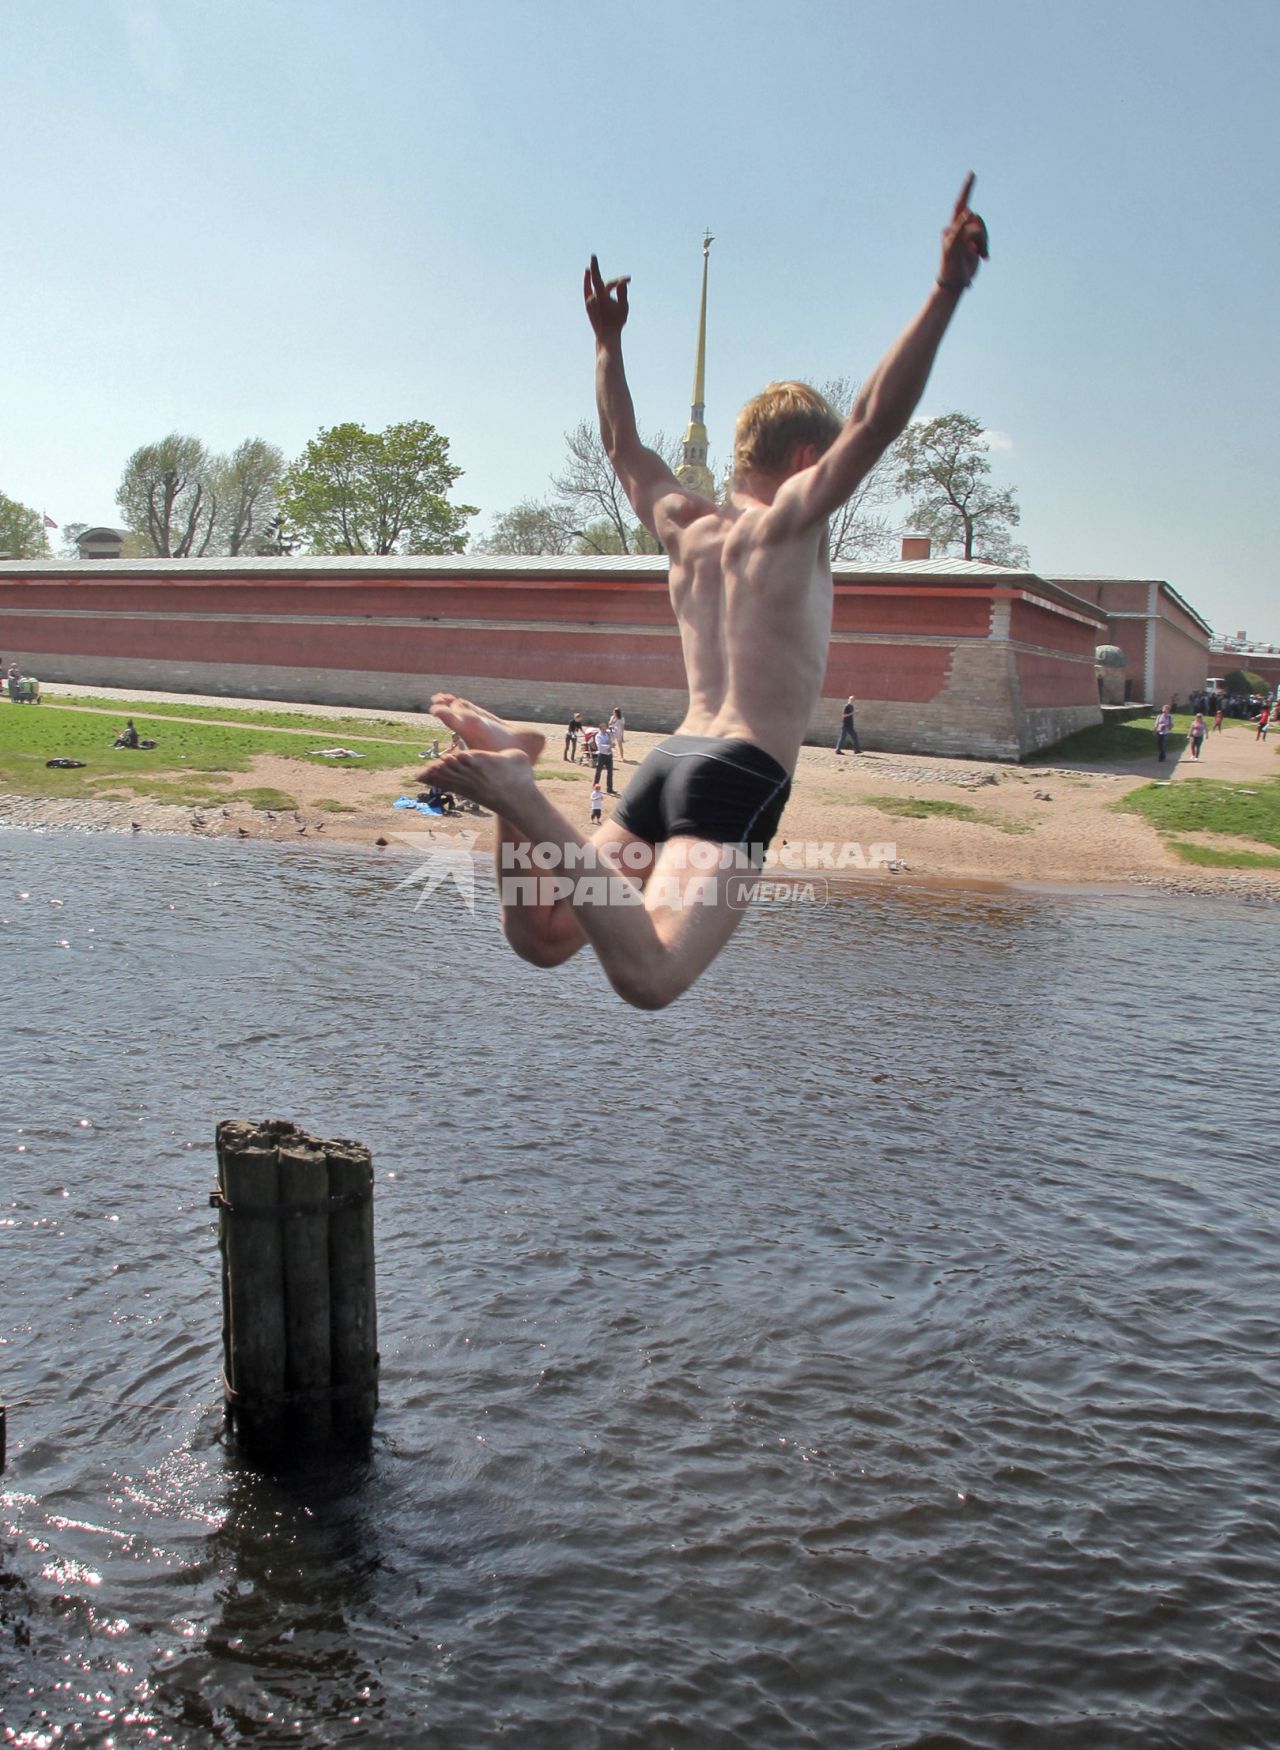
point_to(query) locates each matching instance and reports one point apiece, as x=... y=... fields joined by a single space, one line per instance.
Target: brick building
x=1165 y=642
x=944 y=655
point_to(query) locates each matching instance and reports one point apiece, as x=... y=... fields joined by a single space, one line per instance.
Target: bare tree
x=169 y=497
x=532 y=526
x=245 y=483
x=589 y=497
x=862 y=527
x=588 y=489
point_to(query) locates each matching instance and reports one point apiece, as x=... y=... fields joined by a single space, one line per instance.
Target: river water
x=881 y=1347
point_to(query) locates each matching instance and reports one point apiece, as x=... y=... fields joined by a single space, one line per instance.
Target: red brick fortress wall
x=1165 y=642
x=943 y=656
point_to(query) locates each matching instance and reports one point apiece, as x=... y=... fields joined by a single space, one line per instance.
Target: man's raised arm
x=645 y=477
x=892 y=392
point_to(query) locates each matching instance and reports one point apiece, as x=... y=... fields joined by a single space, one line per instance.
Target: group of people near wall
x=601 y=743
x=1243 y=705
x=1267 y=714
x=23 y=689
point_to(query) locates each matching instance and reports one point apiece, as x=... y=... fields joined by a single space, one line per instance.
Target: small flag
x=49 y=523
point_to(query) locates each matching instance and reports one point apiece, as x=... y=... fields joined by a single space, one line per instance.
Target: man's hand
x=606 y=302
x=964 y=244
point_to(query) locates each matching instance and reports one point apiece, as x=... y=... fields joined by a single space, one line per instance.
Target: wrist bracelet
x=953 y=285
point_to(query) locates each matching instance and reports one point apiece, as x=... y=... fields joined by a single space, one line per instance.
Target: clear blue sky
x=256 y=217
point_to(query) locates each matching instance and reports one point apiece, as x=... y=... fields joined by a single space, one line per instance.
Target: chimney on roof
x=916 y=547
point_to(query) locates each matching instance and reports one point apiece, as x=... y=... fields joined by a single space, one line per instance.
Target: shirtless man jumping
x=751 y=587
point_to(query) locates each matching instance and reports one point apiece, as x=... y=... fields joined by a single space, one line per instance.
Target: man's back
x=753 y=603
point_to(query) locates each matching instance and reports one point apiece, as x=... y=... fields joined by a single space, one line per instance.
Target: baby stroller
x=589 y=744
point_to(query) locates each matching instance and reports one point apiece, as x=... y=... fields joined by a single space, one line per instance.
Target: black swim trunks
x=697 y=786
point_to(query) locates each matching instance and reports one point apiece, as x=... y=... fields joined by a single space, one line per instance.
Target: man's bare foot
x=481 y=729
x=499 y=780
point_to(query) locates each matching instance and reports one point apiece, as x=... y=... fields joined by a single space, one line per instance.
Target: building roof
x=490 y=565
x=1070 y=577
x=587 y=567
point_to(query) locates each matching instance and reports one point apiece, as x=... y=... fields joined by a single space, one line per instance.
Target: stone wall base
x=977 y=715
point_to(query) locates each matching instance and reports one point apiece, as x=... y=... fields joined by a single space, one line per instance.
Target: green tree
x=356 y=491
x=168 y=494
x=1244 y=680
x=22 y=533
x=942 y=468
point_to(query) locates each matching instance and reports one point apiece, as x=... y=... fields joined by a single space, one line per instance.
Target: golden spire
x=693 y=470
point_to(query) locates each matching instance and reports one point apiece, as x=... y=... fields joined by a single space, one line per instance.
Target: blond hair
x=773 y=425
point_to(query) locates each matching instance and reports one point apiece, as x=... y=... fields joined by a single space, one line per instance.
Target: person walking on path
x=848 y=730
x=1264 y=717
x=659 y=889
x=604 y=757
x=1218 y=715
x=1198 y=732
x=597 y=802
x=1164 y=726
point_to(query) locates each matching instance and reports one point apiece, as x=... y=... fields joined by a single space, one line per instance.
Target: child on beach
x=750 y=583
x=597 y=802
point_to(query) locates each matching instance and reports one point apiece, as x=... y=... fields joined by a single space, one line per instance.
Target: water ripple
x=879 y=1349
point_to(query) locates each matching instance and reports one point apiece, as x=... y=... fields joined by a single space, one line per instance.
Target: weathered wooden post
x=354 y=1312
x=253 y=1284
x=299 y=1312
x=304 y=1194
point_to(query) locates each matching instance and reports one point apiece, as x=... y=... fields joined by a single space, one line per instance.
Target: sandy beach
x=1046 y=823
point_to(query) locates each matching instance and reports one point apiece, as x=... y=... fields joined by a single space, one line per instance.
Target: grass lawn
x=1243 y=811
x=191 y=764
x=264 y=796
x=1131 y=743
x=1114 y=743
x=1208 y=856
x=1246 y=811
x=918 y=808
x=331 y=731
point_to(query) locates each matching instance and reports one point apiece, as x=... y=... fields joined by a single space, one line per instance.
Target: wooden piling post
x=304 y=1195
x=249 y=1183
x=353 y=1315
x=300 y=1346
